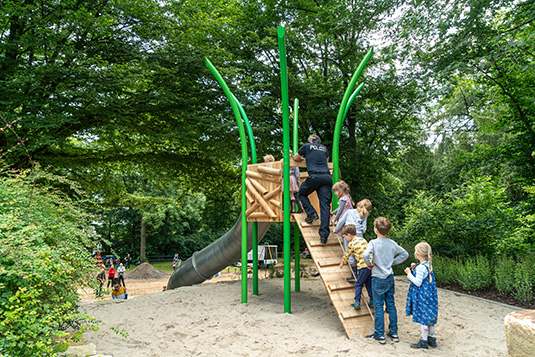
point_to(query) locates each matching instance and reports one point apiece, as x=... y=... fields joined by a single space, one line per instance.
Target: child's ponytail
x=364 y=208
x=424 y=249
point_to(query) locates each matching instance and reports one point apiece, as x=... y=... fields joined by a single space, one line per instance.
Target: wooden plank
x=351 y=313
x=258 y=176
x=276 y=203
x=252 y=209
x=329 y=262
x=273 y=193
x=338 y=285
x=261 y=189
x=249 y=197
x=270 y=171
x=258 y=215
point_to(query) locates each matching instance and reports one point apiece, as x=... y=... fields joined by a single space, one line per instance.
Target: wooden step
x=328 y=262
x=341 y=285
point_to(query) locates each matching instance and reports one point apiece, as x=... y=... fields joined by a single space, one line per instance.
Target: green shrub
x=523 y=275
x=475 y=273
x=445 y=269
x=475 y=217
x=504 y=278
x=44 y=258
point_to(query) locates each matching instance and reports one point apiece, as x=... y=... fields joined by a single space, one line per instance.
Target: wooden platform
x=327 y=258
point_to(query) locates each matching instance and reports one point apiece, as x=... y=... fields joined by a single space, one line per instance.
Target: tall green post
x=243 y=140
x=342 y=112
x=297 y=247
x=254 y=232
x=286 y=171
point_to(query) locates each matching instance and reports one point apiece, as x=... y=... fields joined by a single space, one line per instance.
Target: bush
x=475 y=273
x=475 y=217
x=445 y=269
x=523 y=275
x=44 y=257
x=504 y=278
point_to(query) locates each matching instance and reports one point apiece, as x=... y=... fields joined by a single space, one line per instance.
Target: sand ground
x=209 y=319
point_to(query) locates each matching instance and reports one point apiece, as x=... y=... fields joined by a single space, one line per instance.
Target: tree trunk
x=142 y=240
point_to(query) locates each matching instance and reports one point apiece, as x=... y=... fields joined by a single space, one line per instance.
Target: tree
x=480 y=52
x=46 y=239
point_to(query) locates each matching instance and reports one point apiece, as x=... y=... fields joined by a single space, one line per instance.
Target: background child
x=119 y=292
x=269 y=158
x=101 y=278
x=384 y=252
x=356 y=247
x=341 y=190
x=121 y=272
x=422 y=298
x=357 y=217
x=111 y=275
x=295 y=180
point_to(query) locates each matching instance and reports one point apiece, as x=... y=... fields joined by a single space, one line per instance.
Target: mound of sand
x=146 y=271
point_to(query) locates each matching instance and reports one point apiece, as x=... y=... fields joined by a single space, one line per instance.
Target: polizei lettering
x=318 y=147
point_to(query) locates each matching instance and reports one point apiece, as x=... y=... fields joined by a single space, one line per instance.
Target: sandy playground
x=209 y=320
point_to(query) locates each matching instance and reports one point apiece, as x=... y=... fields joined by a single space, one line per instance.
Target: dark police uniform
x=319 y=179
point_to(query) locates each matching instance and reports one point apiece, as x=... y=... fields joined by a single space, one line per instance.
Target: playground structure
x=267 y=254
x=265 y=198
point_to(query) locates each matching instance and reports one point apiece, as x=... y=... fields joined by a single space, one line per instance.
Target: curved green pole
x=286 y=171
x=243 y=140
x=351 y=99
x=254 y=242
x=297 y=247
x=340 y=120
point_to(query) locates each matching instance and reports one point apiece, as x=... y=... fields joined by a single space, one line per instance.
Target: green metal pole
x=297 y=248
x=254 y=225
x=286 y=171
x=295 y=131
x=351 y=99
x=243 y=140
x=340 y=120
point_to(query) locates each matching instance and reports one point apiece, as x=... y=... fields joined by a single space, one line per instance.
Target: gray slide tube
x=217 y=256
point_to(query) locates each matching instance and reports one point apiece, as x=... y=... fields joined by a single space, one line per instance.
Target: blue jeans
x=383 y=293
x=322 y=184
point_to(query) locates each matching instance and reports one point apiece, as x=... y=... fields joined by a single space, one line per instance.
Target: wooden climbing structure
x=264 y=191
x=264 y=203
x=327 y=258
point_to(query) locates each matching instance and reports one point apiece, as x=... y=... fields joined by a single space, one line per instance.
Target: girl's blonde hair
x=341 y=186
x=364 y=206
x=269 y=158
x=425 y=251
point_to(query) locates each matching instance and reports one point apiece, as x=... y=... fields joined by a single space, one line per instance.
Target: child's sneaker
x=356 y=305
x=432 y=342
x=370 y=304
x=381 y=339
x=394 y=337
x=422 y=344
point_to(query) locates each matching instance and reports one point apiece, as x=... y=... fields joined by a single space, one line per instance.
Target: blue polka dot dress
x=422 y=302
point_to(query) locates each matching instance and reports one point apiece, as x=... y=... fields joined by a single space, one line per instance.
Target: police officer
x=319 y=180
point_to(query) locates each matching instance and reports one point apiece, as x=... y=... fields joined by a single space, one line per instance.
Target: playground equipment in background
x=267 y=254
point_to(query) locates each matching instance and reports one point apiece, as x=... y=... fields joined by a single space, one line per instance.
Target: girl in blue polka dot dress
x=422 y=298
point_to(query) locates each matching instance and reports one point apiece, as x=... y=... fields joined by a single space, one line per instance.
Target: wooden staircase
x=327 y=258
